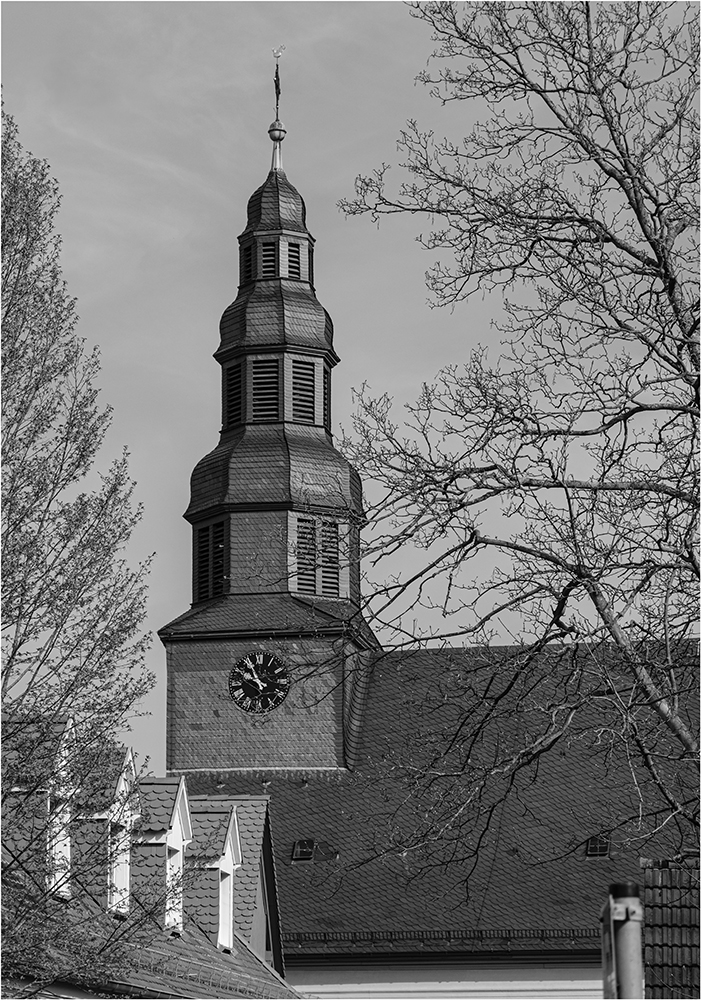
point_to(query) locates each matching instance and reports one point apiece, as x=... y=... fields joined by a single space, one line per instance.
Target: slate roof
x=278 y=464
x=671 y=930
x=158 y=796
x=533 y=888
x=275 y=312
x=251 y=813
x=269 y=614
x=276 y=204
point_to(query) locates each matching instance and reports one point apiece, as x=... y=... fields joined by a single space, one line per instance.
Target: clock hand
x=254 y=677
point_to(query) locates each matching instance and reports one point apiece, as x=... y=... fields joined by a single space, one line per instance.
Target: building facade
x=277 y=686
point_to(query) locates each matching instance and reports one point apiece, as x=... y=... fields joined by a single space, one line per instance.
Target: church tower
x=266 y=668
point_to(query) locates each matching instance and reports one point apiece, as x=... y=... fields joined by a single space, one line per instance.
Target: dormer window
x=294 y=263
x=174 y=888
x=269 y=260
x=59 y=848
x=119 y=869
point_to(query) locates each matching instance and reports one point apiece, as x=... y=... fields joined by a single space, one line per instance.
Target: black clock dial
x=259 y=682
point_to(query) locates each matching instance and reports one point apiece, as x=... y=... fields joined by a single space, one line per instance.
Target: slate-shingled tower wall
x=273 y=479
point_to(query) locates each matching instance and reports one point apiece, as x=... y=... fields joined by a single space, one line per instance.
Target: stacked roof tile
x=671 y=930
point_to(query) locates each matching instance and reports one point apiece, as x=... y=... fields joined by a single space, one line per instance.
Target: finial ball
x=277 y=131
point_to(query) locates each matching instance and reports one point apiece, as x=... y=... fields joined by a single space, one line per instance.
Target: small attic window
x=598 y=846
x=303 y=850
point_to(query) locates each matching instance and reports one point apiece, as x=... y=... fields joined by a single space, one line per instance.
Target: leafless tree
x=550 y=487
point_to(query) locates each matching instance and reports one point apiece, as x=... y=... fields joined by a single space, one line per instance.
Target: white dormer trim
x=227 y=865
x=177 y=839
x=58 y=805
x=122 y=815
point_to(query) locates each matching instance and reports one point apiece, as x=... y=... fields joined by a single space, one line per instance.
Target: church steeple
x=267 y=667
x=275 y=467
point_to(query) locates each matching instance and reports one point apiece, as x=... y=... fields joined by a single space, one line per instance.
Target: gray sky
x=154 y=117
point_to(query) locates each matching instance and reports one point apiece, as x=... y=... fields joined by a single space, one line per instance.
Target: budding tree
x=552 y=484
x=72 y=607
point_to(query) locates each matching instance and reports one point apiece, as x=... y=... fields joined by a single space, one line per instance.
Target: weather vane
x=277 y=53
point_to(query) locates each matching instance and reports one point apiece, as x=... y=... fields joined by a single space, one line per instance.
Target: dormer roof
x=165 y=805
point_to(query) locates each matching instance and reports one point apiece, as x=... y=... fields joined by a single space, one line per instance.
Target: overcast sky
x=154 y=117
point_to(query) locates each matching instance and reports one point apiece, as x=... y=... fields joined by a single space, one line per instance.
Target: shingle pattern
x=283 y=464
x=276 y=204
x=533 y=888
x=251 y=812
x=189 y=966
x=158 y=796
x=671 y=930
x=269 y=614
x=272 y=312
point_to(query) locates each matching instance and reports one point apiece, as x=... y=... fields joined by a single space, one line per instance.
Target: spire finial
x=277 y=131
x=276 y=55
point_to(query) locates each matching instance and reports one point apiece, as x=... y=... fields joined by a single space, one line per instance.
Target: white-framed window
x=178 y=837
x=174 y=887
x=59 y=847
x=119 y=868
x=318 y=561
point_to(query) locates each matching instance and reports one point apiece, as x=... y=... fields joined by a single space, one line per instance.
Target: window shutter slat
x=327 y=399
x=270 y=260
x=329 y=559
x=266 y=389
x=294 y=265
x=303 y=391
x=306 y=555
x=233 y=395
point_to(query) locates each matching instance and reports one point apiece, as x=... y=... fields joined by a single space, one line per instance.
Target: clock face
x=259 y=683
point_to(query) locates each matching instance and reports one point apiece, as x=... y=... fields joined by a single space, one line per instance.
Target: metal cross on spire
x=277 y=53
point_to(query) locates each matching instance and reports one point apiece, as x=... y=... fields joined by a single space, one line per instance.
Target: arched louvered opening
x=318 y=557
x=233 y=395
x=303 y=392
x=306 y=555
x=329 y=559
x=211 y=575
x=246 y=262
x=265 y=386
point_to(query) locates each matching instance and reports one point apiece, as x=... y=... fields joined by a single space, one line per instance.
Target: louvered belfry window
x=246 y=263
x=270 y=260
x=306 y=555
x=311 y=266
x=329 y=559
x=294 y=264
x=318 y=562
x=233 y=395
x=327 y=399
x=211 y=561
x=265 y=379
x=303 y=391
